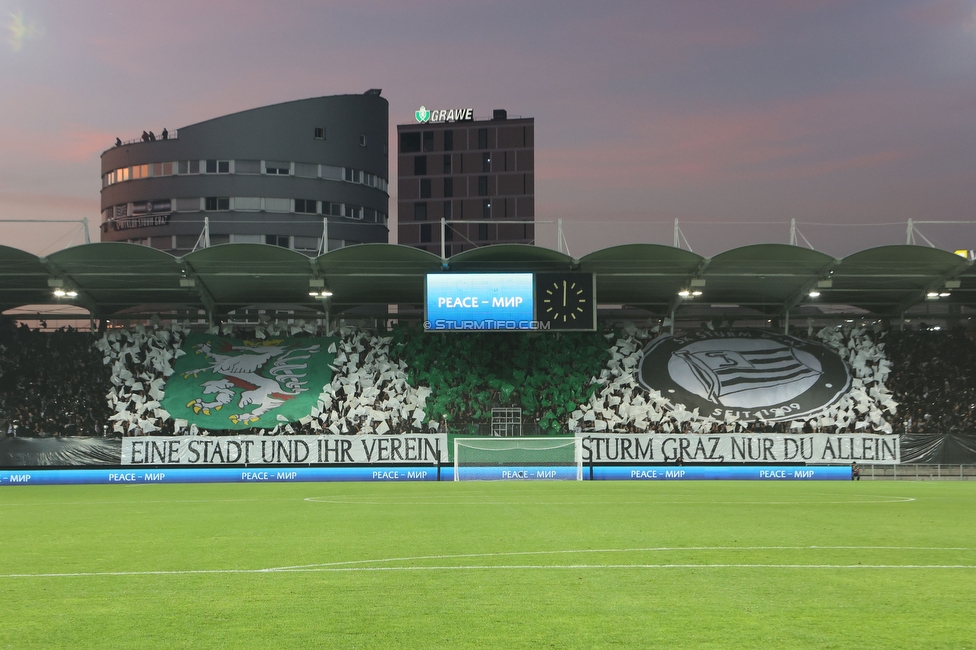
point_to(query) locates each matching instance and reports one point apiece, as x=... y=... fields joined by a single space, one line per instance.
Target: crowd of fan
x=51 y=383
x=56 y=383
x=934 y=379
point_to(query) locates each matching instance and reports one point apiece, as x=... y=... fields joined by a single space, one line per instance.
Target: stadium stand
x=51 y=383
x=934 y=376
x=70 y=383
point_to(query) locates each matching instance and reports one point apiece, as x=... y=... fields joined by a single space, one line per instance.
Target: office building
x=477 y=175
x=268 y=175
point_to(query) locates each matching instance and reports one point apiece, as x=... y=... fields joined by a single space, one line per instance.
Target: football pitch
x=490 y=565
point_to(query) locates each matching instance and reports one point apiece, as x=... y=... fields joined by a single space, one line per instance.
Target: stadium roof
x=117 y=278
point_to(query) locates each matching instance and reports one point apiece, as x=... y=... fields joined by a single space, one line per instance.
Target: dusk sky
x=715 y=113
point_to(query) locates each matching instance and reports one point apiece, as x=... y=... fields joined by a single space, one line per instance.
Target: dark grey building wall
x=355 y=138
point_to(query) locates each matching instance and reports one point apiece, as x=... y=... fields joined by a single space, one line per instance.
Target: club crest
x=225 y=383
x=751 y=374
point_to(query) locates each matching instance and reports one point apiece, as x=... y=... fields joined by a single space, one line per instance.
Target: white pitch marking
x=651 y=549
x=435 y=501
x=479 y=567
x=345 y=565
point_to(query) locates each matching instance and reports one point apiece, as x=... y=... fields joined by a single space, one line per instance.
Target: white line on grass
x=434 y=501
x=484 y=567
x=650 y=549
x=346 y=565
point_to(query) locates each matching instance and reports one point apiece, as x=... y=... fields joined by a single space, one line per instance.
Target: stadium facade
x=476 y=175
x=268 y=175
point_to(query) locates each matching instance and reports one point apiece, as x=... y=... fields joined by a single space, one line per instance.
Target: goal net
x=518 y=459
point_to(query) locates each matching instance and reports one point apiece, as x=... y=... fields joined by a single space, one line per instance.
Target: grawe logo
x=751 y=374
x=443 y=115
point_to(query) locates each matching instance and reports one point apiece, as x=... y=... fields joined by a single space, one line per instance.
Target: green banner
x=223 y=383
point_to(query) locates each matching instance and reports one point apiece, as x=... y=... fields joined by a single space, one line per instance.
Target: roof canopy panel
x=648 y=275
x=113 y=277
x=377 y=274
x=768 y=277
x=889 y=279
x=510 y=257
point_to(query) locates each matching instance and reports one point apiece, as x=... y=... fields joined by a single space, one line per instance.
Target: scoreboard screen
x=509 y=302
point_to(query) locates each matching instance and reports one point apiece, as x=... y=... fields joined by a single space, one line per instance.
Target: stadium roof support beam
x=938 y=284
x=83 y=298
x=822 y=274
x=677 y=300
x=205 y=296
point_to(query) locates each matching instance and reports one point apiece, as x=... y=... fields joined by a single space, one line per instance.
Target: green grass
x=477 y=567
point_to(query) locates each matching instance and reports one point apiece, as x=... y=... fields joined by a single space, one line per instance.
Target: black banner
x=60 y=452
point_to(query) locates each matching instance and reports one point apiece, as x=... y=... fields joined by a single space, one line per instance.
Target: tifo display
x=635 y=403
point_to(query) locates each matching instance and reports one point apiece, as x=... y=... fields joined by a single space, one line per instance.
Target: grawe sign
x=425 y=115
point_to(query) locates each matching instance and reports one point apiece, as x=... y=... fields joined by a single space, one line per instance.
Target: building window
x=482 y=231
x=218 y=167
x=334 y=209
x=448 y=233
x=409 y=142
x=277 y=168
x=277 y=240
x=217 y=203
x=425 y=232
x=307 y=206
x=482 y=186
x=420 y=165
x=362 y=139
x=447 y=163
x=420 y=211
x=354 y=212
x=425 y=188
x=448 y=188
x=482 y=138
x=319 y=133
x=306 y=170
x=247 y=166
x=354 y=175
x=486 y=209
x=428 y=141
x=247 y=203
x=162 y=169
x=486 y=162
x=448 y=140
x=447 y=209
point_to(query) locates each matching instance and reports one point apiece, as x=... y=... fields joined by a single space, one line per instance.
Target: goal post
x=518 y=459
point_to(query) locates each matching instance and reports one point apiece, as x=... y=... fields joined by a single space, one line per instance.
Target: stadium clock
x=565 y=301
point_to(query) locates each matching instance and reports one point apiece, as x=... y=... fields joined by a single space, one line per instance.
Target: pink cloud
x=803 y=138
x=69 y=143
x=939 y=13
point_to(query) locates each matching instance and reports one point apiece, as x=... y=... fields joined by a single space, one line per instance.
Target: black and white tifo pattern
x=747 y=374
x=369 y=391
x=721 y=376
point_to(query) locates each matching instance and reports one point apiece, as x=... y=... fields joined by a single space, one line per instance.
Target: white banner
x=419 y=449
x=813 y=448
